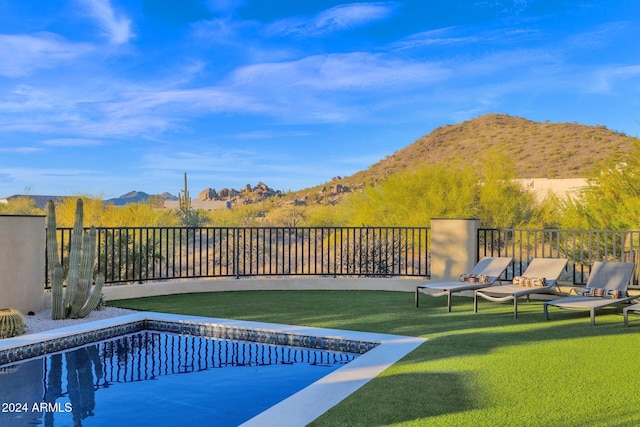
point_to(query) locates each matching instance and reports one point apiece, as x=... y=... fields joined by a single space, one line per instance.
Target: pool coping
x=381 y=351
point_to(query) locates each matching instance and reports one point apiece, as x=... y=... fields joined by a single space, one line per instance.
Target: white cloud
x=117 y=27
x=72 y=142
x=20 y=150
x=599 y=36
x=28 y=99
x=310 y=90
x=265 y=134
x=22 y=54
x=357 y=70
x=604 y=79
x=466 y=37
x=174 y=104
x=439 y=37
x=338 y=18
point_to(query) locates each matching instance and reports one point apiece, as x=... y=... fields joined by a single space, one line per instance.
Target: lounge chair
x=485 y=273
x=607 y=285
x=539 y=277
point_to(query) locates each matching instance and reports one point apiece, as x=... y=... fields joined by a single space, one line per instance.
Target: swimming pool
x=378 y=351
x=152 y=378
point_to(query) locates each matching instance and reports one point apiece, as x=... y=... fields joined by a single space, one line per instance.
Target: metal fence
x=142 y=254
x=580 y=247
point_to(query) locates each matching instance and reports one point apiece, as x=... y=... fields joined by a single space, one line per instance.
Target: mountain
x=136 y=197
x=538 y=150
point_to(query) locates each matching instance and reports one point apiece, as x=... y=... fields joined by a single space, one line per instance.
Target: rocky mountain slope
x=538 y=150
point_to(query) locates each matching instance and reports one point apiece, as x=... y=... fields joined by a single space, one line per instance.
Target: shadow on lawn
x=446 y=394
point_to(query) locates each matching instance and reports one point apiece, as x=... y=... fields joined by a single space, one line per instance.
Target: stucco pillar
x=454 y=247
x=22 y=262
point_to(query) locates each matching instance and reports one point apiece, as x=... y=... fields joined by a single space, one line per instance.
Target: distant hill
x=539 y=150
x=136 y=197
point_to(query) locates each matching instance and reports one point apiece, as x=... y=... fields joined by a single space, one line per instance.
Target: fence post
x=22 y=262
x=454 y=247
x=236 y=252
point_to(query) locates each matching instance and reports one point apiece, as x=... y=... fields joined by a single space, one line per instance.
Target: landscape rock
x=208 y=194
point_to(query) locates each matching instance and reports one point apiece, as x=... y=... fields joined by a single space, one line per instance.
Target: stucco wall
x=22 y=262
x=453 y=247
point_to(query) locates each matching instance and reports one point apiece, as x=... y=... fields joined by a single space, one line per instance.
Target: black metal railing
x=141 y=254
x=580 y=247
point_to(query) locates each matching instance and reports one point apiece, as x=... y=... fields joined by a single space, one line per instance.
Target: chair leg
x=625 y=314
x=515 y=307
x=417 y=297
x=546 y=311
x=449 y=301
x=475 y=301
x=593 y=316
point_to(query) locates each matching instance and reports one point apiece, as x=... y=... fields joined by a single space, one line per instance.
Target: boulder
x=208 y=194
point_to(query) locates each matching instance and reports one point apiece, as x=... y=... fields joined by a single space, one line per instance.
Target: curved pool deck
x=380 y=352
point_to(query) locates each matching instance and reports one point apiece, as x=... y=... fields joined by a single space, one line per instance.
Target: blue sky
x=102 y=97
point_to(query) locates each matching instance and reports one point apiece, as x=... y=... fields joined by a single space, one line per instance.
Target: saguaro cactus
x=80 y=297
x=184 y=202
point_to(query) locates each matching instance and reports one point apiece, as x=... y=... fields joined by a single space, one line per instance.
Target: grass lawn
x=485 y=369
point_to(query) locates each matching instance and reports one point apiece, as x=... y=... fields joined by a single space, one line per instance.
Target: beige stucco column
x=22 y=262
x=454 y=247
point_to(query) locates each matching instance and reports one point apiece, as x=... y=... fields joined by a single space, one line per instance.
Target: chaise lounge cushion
x=604 y=293
x=530 y=282
x=475 y=278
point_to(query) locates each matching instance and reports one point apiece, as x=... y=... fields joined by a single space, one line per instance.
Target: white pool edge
x=302 y=407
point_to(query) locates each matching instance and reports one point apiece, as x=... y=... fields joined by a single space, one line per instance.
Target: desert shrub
x=501 y=201
x=453 y=190
x=610 y=201
x=20 y=206
x=412 y=198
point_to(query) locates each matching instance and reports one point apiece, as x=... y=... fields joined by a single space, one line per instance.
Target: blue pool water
x=159 y=379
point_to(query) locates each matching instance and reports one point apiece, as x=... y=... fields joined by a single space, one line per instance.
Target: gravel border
x=42 y=321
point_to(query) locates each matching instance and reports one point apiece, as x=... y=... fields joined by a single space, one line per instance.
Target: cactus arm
x=85 y=273
x=52 y=241
x=56 y=275
x=74 y=258
x=94 y=297
x=81 y=295
x=57 y=291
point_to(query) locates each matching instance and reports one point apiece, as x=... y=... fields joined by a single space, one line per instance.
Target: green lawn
x=485 y=369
